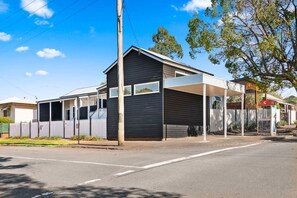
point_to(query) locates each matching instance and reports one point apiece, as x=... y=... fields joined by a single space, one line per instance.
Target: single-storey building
x=89 y=100
x=163 y=98
x=18 y=110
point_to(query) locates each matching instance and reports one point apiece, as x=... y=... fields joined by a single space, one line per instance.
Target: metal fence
x=4 y=128
x=63 y=129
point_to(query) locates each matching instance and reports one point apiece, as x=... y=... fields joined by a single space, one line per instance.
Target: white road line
x=71 y=161
x=195 y=156
x=43 y=194
x=88 y=182
x=124 y=173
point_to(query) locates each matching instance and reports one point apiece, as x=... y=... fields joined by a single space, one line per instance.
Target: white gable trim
x=173 y=64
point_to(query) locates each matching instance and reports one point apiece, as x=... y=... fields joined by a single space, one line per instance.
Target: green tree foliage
x=254 y=38
x=5 y=120
x=166 y=44
x=291 y=99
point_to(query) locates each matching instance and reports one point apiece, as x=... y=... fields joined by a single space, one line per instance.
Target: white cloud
x=28 y=74
x=195 y=5
x=174 y=7
x=41 y=73
x=92 y=31
x=5 y=37
x=37 y=7
x=22 y=49
x=49 y=53
x=3 y=6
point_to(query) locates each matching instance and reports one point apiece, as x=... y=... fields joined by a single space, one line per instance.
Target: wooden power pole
x=121 y=120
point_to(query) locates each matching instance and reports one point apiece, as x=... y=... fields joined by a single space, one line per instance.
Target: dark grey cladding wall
x=183 y=108
x=143 y=113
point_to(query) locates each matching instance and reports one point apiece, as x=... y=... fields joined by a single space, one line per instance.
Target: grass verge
x=36 y=142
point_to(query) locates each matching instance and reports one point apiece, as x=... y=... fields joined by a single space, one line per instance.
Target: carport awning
x=194 y=84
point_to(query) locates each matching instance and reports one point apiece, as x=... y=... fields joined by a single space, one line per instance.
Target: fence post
x=21 y=129
x=9 y=129
x=38 y=128
x=90 y=127
x=30 y=132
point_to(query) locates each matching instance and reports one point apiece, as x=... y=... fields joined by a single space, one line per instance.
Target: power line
x=21 y=19
x=19 y=88
x=17 y=11
x=24 y=34
x=131 y=24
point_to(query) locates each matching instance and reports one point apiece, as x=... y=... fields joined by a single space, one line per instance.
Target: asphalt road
x=249 y=169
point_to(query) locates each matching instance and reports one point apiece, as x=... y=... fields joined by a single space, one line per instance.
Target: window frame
x=129 y=86
x=135 y=85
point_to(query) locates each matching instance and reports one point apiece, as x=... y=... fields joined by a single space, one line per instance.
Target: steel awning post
x=204 y=112
x=225 y=113
x=242 y=114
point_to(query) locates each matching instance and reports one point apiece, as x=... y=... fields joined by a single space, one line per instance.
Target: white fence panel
x=69 y=128
x=278 y=115
x=25 y=129
x=44 y=129
x=231 y=113
x=14 y=130
x=293 y=116
x=84 y=127
x=34 y=129
x=251 y=115
x=216 y=120
x=99 y=128
x=57 y=128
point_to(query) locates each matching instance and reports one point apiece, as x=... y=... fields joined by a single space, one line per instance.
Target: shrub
x=48 y=138
x=281 y=123
x=5 y=120
x=233 y=126
x=18 y=137
x=252 y=126
x=86 y=138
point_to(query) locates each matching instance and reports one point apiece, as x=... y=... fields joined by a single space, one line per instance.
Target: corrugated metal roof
x=160 y=58
x=17 y=100
x=82 y=91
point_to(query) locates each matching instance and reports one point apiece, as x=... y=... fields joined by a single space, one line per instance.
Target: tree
x=254 y=38
x=166 y=44
x=291 y=99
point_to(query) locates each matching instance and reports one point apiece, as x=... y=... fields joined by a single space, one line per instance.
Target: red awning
x=267 y=103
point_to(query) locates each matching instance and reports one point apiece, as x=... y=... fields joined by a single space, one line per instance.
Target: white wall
x=216 y=118
x=23 y=114
x=293 y=116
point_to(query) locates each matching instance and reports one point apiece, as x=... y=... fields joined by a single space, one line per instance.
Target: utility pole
x=121 y=120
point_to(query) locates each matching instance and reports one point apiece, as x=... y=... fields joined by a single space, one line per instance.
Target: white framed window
x=147 y=88
x=179 y=74
x=113 y=92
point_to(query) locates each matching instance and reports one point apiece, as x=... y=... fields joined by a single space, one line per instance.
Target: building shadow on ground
x=281 y=139
x=23 y=186
x=91 y=191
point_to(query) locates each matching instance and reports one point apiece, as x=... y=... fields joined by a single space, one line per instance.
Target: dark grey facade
x=147 y=116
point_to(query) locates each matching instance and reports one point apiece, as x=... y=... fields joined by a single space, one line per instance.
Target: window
x=146 y=88
x=6 y=112
x=179 y=74
x=216 y=102
x=113 y=92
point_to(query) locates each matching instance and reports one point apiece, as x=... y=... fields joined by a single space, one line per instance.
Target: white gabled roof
x=17 y=100
x=161 y=58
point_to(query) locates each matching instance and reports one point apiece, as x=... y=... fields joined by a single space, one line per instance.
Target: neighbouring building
x=18 y=110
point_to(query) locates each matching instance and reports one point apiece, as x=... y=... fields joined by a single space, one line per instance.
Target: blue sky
x=48 y=48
